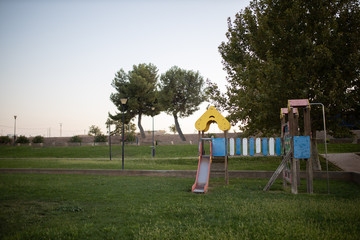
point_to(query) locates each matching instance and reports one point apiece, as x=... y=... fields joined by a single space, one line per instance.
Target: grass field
x=131 y=151
x=44 y=206
x=339 y=148
x=173 y=157
x=239 y=163
x=34 y=206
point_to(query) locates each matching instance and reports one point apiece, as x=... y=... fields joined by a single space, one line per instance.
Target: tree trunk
x=178 y=129
x=142 y=133
x=314 y=153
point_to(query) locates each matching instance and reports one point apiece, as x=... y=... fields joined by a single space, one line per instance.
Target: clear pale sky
x=58 y=57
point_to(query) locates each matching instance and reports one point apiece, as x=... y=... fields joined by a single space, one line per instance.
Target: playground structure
x=291 y=146
x=295 y=147
x=220 y=160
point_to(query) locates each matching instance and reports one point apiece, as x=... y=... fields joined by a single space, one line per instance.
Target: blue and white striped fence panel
x=238 y=146
x=251 y=147
x=232 y=147
x=278 y=146
x=258 y=145
x=271 y=147
x=218 y=147
x=245 y=147
x=264 y=146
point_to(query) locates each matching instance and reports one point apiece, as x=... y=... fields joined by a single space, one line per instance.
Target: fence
x=248 y=147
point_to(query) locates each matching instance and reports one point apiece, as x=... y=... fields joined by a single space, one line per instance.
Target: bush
x=211 y=135
x=22 y=139
x=130 y=137
x=75 y=139
x=100 y=138
x=38 y=139
x=5 y=140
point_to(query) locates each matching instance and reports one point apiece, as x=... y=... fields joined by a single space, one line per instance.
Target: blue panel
x=219 y=147
x=264 y=146
x=251 y=146
x=238 y=146
x=302 y=147
x=278 y=146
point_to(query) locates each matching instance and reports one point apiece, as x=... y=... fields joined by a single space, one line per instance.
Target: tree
x=279 y=50
x=22 y=140
x=172 y=129
x=181 y=92
x=130 y=127
x=5 y=140
x=94 y=131
x=75 y=139
x=139 y=87
x=38 y=139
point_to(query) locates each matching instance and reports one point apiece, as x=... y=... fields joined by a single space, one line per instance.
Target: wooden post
x=226 y=159
x=309 y=167
x=202 y=143
x=199 y=141
x=296 y=133
x=283 y=122
x=294 y=185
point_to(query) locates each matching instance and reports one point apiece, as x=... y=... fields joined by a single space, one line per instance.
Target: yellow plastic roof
x=212 y=116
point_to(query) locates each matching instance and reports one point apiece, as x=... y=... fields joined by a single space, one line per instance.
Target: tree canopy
x=94 y=131
x=280 y=50
x=139 y=87
x=181 y=92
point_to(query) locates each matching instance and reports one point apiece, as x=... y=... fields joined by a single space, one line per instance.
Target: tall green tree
x=94 y=131
x=139 y=87
x=129 y=128
x=181 y=92
x=280 y=50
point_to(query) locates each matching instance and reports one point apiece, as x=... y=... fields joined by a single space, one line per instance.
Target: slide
x=202 y=175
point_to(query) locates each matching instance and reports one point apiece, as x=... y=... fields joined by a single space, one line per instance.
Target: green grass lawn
x=51 y=206
x=131 y=151
x=253 y=163
x=41 y=206
x=339 y=148
x=238 y=163
x=177 y=157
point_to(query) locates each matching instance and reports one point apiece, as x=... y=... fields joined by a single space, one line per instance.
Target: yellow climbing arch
x=210 y=116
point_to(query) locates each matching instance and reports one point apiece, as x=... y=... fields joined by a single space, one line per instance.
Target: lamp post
x=153 y=138
x=14 y=129
x=123 y=103
x=327 y=164
x=109 y=139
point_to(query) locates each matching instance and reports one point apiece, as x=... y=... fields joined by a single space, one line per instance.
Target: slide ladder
x=278 y=171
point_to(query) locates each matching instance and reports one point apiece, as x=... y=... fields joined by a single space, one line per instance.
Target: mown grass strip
x=34 y=206
x=339 y=148
x=131 y=151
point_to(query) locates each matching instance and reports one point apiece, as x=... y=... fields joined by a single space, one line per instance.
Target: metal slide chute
x=203 y=172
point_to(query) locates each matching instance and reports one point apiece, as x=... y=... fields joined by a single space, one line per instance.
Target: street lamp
x=14 y=129
x=123 y=103
x=109 y=138
x=153 y=138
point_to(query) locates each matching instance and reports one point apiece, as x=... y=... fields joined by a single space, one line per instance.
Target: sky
x=58 y=57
